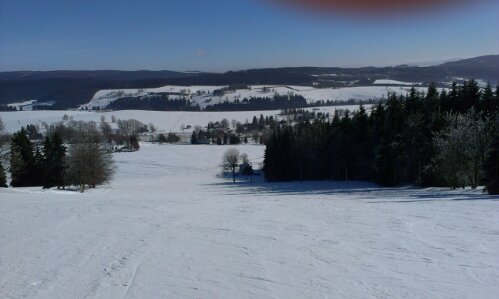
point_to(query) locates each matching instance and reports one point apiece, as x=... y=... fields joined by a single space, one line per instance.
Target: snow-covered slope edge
x=204 y=95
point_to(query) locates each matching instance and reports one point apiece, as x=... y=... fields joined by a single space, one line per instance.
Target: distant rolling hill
x=69 y=89
x=96 y=75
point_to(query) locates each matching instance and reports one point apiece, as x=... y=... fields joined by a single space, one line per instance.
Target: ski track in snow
x=168 y=227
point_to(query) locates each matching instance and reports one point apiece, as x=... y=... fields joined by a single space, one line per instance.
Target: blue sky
x=225 y=35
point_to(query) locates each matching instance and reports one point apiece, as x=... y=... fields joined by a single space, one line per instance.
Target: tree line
x=158 y=102
x=446 y=138
x=257 y=103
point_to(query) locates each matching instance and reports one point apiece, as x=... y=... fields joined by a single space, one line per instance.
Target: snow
x=395 y=82
x=168 y=227
x=164 y=121
x=25 y=105
x=203 y=95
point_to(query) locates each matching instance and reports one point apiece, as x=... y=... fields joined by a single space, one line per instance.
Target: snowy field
x=168 y=227
x=203 y=95
x=164 y=121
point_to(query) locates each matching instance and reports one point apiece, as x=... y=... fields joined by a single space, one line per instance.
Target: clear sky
x=222 y=35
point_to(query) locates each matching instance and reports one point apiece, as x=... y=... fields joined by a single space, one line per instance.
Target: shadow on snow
x=365 y=190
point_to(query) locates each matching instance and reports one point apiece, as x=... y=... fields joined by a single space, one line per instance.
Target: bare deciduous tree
x=131 y=127
x=106 y=129
x=230 y=161
x=225 y=123
x=152 y=128
x=89 y=165
x=244 y=158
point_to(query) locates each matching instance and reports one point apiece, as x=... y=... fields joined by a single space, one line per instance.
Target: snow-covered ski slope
x=165 y=121
x=203 y=95
x=168 y=227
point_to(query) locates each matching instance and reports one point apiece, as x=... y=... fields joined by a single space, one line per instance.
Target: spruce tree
x=22 y=161
x=55 y=162
x=194 y=138
x=38 y=168
x=488 y=102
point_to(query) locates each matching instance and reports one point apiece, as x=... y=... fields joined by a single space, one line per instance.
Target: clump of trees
x=125 y=136
x=428 y=139
x=233 y=160
x=234 y=132
x=256 y=103
x=157 y=102
x=170 y=138
x=49 y=165
x=24 y=166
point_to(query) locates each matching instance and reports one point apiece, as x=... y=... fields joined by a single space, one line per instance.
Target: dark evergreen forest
x=427 y=139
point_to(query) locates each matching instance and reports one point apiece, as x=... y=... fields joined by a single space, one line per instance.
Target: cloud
x=200 y=53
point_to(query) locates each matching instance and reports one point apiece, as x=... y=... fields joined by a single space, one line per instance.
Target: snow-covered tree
x=461 y=149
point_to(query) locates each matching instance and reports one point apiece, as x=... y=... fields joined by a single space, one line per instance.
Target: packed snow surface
x=168 y=227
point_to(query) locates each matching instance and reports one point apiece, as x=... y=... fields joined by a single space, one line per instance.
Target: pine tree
x=390 y=160
x=38 y=168
x=469 y=96
x=134 y=143
x=194 y=138
x=55 y=162
x=22 y=161
x=488 y=102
